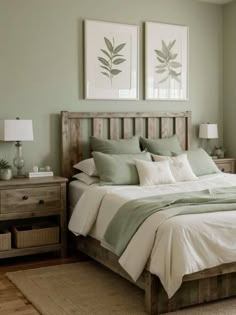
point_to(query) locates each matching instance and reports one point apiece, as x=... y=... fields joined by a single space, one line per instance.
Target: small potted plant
x=5 y=170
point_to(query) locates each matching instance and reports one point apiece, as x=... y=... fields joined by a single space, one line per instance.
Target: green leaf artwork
x=167 y=64
x=111 y=58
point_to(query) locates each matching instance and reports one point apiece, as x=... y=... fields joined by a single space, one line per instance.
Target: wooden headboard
x=76 y=129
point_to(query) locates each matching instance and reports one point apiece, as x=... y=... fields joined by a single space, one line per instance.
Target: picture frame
x=111 y=61
x=166 y=62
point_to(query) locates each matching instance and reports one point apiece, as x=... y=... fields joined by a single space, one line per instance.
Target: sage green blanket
x=132 y=214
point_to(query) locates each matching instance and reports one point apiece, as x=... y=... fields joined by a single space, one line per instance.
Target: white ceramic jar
x=6 y=174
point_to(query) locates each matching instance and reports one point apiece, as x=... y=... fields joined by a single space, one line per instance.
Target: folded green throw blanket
x=133 y=213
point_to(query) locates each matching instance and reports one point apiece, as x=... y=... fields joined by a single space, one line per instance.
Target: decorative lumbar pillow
x=201 y=163
x=180 y=167
x=87 y=166
x=118 y=169
x=154 y=173
x=120 y=146
x=165 y=146
x=89 y=180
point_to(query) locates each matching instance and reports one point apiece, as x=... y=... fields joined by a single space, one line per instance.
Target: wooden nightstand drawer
x=226 y=165
x=30 y=199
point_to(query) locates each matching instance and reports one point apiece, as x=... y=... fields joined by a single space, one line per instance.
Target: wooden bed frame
x=208 y=285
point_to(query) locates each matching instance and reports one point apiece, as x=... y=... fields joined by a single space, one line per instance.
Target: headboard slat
x=152 y=128
x=115 y=128
x=166 y=130
x=139 y=127
x=76 y=132
x=128 y=127
x=180 y=129
x=98 y=127
x=77 y=127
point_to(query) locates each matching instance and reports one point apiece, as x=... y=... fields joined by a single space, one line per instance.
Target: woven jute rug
x=87 y=288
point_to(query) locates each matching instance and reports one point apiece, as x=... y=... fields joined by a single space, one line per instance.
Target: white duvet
x=169 y=247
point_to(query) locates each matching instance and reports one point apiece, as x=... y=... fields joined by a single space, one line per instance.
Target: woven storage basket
x=30 y=236
x=5 y=240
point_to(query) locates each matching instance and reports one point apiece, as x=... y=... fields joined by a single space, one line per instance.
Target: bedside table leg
x=63 y=252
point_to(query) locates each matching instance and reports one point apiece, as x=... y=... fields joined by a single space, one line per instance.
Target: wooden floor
x=11 y=300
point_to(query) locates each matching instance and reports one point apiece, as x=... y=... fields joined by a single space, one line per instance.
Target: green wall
x=41 y=63
x=230 y=78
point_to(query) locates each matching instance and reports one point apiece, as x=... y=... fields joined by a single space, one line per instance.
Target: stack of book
x=40 y=174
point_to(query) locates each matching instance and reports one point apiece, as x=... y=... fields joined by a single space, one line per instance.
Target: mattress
x=172 y=248
x=76 y=190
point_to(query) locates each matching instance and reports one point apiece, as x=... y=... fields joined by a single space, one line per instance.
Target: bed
x=207 y=285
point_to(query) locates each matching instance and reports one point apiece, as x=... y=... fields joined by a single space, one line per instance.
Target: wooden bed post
x=188 y=131
x=152 y=284
x=65 y=155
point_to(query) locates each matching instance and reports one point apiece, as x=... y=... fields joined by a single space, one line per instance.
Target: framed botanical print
x=111 y=60
x=166 y=61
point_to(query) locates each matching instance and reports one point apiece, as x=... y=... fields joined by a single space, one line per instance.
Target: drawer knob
x=222 y=169
x=25 y=197
x=41 y=201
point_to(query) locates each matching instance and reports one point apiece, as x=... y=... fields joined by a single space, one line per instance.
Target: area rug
x=87 y=288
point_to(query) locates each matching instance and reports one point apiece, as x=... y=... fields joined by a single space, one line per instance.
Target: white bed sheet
x=172 y=247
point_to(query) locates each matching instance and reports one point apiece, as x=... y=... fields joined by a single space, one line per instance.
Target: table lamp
x=208 y=131
x=17 y=130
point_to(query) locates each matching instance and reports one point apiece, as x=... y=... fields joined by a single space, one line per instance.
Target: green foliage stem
x=167 y=62
x=111 y=58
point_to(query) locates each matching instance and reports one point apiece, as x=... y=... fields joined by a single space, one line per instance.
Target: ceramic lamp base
x=19 y=161
x=208 y=148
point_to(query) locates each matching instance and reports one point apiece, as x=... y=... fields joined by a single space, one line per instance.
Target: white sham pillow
x=154 y=173
x=180 y=167
x=87 y=166
x=89 y=180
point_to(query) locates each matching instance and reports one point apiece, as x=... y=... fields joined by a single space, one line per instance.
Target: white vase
x=6 y=174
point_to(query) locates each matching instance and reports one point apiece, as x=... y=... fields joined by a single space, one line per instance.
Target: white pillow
x=180 y=167
x=154 y=173
x=89 y=180
x=87 y=166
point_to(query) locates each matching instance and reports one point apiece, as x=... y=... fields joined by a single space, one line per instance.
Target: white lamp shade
x=16 y=130
x=208 y=131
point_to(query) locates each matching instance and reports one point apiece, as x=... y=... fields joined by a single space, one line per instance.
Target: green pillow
x=120 y=146
x=118 y=169
x=165 y=146
x=201 y=163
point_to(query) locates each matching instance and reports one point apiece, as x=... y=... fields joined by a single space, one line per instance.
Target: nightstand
x=226 y=165
x=32 y=201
